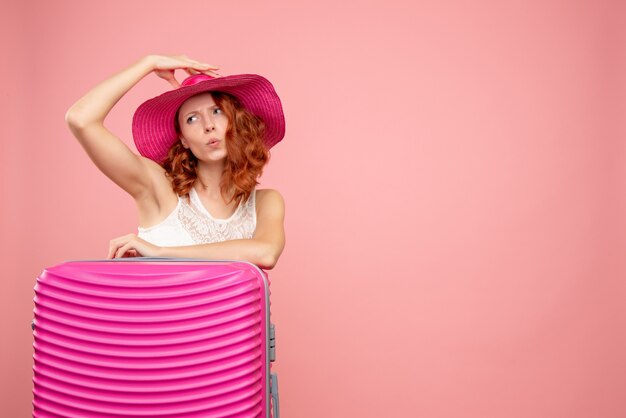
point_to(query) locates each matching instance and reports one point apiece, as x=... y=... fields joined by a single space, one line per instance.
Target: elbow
x=76 y=120
x=268 y=257
x=268 y=261
x=73 y=119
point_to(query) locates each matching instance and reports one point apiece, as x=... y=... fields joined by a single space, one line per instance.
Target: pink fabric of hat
x=153 y=122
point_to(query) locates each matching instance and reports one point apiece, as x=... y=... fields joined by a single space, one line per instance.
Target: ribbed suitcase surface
x=151 y=339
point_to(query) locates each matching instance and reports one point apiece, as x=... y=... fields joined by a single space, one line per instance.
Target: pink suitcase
x=153 y=338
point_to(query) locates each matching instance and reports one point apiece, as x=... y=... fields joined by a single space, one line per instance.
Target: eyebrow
x=195 y=110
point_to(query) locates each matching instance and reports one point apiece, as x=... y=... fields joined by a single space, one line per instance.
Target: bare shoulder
x=269 y=200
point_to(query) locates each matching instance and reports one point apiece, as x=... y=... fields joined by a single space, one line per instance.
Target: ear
x=184 y=142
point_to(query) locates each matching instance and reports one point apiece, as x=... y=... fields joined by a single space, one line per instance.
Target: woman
x=202 y=147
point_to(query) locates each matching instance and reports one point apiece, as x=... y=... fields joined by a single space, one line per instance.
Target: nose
x=209 y=126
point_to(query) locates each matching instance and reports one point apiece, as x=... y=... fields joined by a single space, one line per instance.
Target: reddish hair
x=247 y=153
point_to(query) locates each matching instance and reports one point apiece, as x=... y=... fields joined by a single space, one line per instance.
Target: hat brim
x=153 y=122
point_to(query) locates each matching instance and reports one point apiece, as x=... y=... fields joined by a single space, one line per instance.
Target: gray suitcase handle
x=274 y=393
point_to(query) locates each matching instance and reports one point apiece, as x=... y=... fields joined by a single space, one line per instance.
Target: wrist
x=147 y=63
x=159 y=251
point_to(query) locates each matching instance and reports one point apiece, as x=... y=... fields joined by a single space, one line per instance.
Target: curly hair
x=246 y=153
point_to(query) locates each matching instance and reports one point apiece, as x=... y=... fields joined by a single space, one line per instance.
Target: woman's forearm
x=252 y=250
x=98 y=102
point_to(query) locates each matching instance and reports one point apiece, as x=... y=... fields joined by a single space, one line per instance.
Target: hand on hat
x=164 y=67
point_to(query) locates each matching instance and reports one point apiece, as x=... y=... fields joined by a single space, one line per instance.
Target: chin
x=214 y=157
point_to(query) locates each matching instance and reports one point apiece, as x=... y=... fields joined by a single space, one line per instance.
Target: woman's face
x=203 y=127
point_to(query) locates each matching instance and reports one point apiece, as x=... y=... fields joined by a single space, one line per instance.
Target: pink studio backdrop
x=454 y=179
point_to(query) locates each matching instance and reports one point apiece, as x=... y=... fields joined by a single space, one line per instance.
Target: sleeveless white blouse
x=190 y=223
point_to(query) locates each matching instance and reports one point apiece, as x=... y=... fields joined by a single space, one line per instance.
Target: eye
x=217 y=111
x=191 y=118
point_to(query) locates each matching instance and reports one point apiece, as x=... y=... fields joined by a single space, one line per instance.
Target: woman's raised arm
x=85 y=119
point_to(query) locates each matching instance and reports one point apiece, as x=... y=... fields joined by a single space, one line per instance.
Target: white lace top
x=190 y=223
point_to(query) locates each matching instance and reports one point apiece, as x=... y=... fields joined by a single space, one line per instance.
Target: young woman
x=203 y=146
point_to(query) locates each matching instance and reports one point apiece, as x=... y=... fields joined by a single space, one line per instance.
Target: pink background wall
x=454 y=174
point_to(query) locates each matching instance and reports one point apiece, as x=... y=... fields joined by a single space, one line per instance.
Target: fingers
x=122 y=250
x=212 y=74
x=172 y=80
x=163 y=62
x=165 y=67
x=122 y=246
x=200 y=66
x=201 y=69
x=114 y=245
x=131 y=253
x=168 y=75
x=110 y=254
x=112 y=249
x=131 y=246
x=207 y=69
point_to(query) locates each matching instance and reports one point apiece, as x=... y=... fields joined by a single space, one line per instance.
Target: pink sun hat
x=153 y=122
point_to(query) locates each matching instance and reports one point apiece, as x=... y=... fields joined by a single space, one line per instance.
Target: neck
x=209 y=177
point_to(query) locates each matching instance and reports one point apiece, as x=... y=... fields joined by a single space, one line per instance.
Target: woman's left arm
x=263 y=249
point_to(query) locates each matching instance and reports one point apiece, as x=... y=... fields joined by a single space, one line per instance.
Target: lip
x=213 y=142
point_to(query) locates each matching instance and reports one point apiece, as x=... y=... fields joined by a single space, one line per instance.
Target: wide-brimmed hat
x=153 y=122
